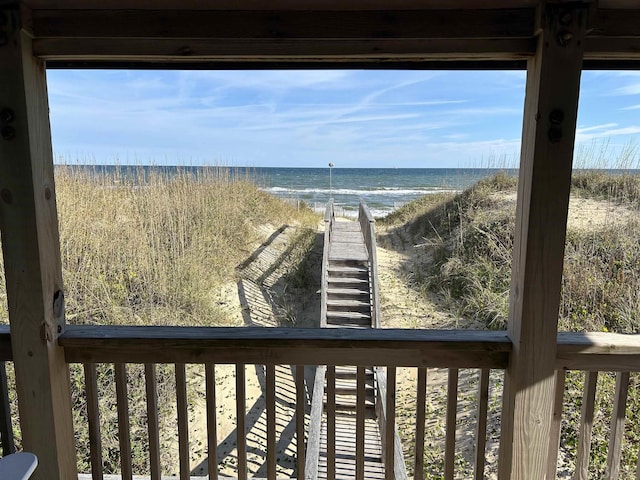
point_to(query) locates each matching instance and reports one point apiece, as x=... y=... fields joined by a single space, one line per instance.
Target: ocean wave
x=348 y=191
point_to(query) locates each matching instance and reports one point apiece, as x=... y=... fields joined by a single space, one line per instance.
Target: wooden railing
x=329 y=218
x=367 y=226
x=387 y=349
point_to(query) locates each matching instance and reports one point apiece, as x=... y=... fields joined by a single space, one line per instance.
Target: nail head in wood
x=6 y=196
x=8 y=133
x=7 y=115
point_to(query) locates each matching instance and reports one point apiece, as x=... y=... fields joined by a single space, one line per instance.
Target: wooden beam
x=287 y=346
x=551 y=104
x=290 y=5
x=29 y=224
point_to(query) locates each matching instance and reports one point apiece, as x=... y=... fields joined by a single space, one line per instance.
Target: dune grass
x=153 y=249
x=469 y=239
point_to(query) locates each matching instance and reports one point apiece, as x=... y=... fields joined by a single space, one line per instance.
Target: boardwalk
x=349 y=415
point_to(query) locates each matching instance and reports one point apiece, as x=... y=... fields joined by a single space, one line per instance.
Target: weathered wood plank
x=616 y=433
x=182 y=406
x=93 y=419
x=287 y=346
x=124 y=438
x=153 y=424
x=331 y=422
x=301 y=403
x=31 y=250
x=212 y=422
x=551 y=104
x=389 y=438
x=452 y=415
x=241 y=412
x=270 y=374
x=360 y=412
x=556 y=426
x=481 y=426
x=315 y=424
x=586 y=426
x=286 y=4
x=421 y=399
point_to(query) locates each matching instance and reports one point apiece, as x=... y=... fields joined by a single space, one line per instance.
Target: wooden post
x=550 y=111
x=29 y=225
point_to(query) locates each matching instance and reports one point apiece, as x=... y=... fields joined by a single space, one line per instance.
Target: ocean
x=383 y=189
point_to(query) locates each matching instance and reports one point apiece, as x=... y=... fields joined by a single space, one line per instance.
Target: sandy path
x=256 y=299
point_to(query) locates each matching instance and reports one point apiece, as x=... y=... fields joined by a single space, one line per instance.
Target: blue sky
x=309 y=118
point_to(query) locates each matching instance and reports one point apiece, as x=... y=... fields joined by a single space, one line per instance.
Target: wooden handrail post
x=550 y=112
x=31 y=248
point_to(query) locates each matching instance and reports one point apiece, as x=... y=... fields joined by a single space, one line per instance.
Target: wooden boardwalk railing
x=482 y=351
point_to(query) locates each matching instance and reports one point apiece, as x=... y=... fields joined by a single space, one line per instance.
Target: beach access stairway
x=347 y=408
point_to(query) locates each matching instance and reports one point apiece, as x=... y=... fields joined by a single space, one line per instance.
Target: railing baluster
x=556 y=426
x=360 y=408
x=617 y=426
x=241 y=411
x=300 y=417
x=452 y=406
x=212 y=422
x=123 y=420
x=586 y=426
x=421 y=400
x=271 y=421
x=93 y=417
x=183 y=421
x=481 y=427
x=390 y=427
x=331 y=422
x=153 y=428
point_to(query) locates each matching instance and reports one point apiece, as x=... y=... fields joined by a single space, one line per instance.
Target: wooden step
x=356 y=271
x=346 y=325
x=349 y=282
x=344 y=292
x=357 y=318
x=348 y=402
x=346 y=305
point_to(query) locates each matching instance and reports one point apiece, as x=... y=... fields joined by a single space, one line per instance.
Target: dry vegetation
x=462 y=261
x=155 y=249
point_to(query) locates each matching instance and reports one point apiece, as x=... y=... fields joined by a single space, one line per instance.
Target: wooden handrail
x=367 y=225
x=329 y=218
x=286 y=346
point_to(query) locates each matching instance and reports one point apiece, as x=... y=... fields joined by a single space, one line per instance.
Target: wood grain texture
x=153 y=427
x=331 y=422
x=93 y=419
x=31 y=250
x=421 y=400
x=616 y=433
x=182 y=406
x=315 y=425
x=481 y=426
x=287 y=346
x=586 y=426
x=270 y=374
x=124 y=438
x=301 y=404
x=360 y=432
x=212 y=422
x=452 y=415
x=551 y=104
x=241 y=412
